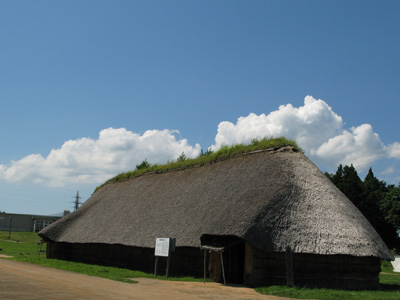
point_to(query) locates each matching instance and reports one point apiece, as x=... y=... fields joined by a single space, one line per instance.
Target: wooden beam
x=289 y=266
x=155 y=266
x=223 y=271
x=205 y=264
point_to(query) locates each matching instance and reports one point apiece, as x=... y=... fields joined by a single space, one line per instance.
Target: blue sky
x=88 y=89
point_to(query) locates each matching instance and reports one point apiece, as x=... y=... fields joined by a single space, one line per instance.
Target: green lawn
x=23 y=247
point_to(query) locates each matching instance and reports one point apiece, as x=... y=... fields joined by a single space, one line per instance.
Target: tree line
x=378 y=201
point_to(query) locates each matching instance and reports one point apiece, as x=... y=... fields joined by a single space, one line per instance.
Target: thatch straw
x=271 y=199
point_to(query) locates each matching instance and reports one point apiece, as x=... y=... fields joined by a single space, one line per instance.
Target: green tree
x=371 y=206
x=374 y=199
x=371 y=197
x=337 y=178
x=347 y=180
x=391 y=206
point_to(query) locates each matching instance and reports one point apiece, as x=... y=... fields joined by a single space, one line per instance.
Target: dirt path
x=25 y=281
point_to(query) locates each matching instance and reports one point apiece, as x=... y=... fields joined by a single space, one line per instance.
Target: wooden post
x=168 y=262
x=40 y=245
x=155 y=267
x=215 y=265
x=205 y=264
x=48 y=250
x=289 y=266
x=223 y=271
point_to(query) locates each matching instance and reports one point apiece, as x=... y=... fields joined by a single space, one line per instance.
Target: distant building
x=23 y=222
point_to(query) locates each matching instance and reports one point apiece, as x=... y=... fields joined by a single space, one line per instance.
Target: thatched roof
x=270 y=199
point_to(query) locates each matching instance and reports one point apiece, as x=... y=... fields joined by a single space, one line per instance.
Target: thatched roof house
x=253 y=205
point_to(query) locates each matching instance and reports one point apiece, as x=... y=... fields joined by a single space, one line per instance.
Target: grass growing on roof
x=207 y=157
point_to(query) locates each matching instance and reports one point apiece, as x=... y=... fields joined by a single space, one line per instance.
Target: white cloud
x=311 y=125
x=93 y=161
x=393 y=150
x=389 y=170
x=317 y=129
x=315 y=126
x=360 y=147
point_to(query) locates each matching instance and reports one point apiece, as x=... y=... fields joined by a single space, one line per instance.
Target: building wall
x=16 y=222
x=21 y=222
x=185 y=261
x=258 y=268
x=328 y=271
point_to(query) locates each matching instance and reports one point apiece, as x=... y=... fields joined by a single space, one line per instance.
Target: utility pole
x=9 y=234
x=76 y=202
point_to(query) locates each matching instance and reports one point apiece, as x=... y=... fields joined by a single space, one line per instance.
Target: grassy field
x=23 y=247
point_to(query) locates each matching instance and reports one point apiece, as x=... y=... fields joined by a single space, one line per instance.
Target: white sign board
x=162 y=247
x=396 y=264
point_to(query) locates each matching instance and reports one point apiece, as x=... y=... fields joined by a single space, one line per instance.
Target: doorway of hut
x=232 y=259
x=234 y=263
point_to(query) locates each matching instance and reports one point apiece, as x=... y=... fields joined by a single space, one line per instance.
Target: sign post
x=164 y=247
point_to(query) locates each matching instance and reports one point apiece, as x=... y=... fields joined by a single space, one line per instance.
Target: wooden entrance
x=226 y=258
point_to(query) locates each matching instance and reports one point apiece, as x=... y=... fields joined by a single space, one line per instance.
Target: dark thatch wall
x=185 y=261
x=325 y=271
x=258 y=268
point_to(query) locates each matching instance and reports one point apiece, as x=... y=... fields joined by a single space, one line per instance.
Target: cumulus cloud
x=311 y=125
x=315 y=126
x=388 y=171
x=86 y=160
x=393 y=150
x=317 y=129
x=360 y=146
